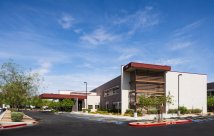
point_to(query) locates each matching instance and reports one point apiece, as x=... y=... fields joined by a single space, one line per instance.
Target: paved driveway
x=61 y=125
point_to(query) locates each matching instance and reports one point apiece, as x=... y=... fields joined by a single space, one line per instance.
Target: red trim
x=15 y=125
x=141 y=124
x=61 y=96
x=146 y=66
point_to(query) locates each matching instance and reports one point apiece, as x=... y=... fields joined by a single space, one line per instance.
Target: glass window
x=96 y=106
x=90 y=106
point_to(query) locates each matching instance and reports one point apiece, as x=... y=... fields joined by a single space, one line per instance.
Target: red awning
x=61 y=96
x=133 y=65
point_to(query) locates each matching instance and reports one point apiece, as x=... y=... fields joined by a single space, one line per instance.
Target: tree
x=210 y=102
x=66 y=104
x=155 y=101
x=1 y=99
x=159 y=102
x=17 y=85
x=144 y=102
x=37 y=102
x=54 y=105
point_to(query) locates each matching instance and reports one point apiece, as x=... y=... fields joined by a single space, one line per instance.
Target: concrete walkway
x=144 y=117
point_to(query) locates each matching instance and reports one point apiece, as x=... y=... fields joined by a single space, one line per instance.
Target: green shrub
x=183 y=110
x=139 y=112
x=102 y=112
x=129 y=111
x=194 y=111
x=17 y=116
x=154 y=111
x=172 y=111
x=84 y=110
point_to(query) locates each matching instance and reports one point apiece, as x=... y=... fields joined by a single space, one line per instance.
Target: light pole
x=179 y=93
x=86 y=95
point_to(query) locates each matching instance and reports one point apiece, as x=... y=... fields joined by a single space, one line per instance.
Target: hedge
x=184 y=110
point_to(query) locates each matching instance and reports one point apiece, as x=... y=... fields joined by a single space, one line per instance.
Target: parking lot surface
x=75 y=125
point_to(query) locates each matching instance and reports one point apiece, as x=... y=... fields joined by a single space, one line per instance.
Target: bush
x=102 y=112
x=84 y=110
x=172 y=111
x=17 y=116
x=154 y=111
x=114 y=111
x=139 y=113
x=194 y=111
x=183 y=110
x=129 y=111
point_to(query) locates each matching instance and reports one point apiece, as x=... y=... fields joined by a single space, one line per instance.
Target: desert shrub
x=139 y=112
x=114 y=111
x=17 y=116
x=172 y=111
x=195 y=111
x=102 y=112
x=183 y=110
x=129 y=111
x=154 y=111
x=84 y=110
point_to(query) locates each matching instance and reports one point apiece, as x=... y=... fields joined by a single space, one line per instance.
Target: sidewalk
x=6 y=122
x=145 y=117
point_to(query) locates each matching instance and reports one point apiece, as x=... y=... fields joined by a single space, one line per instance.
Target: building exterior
x=210 y=89
x=93 y=100
x=147 y=79
x=122 y=92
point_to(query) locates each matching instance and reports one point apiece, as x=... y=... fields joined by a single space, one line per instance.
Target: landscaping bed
x=15 y=119
x=155 y=124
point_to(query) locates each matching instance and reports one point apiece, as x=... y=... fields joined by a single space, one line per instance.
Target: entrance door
x=79 y=105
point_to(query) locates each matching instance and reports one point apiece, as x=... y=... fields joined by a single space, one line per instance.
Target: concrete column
x=125 y=78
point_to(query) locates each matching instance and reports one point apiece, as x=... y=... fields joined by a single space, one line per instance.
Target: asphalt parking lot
x=64 y=125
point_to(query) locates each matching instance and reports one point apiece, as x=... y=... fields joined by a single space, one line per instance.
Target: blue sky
x=69 y=42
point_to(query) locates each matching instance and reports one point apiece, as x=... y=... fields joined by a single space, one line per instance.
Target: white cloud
x=75 y=81
x=171 y=61
x=127 y=53
x=139 y=20
x=66 y=21
x=78 y=31
x=44 y=68
x=180 y=45
x=187 y=28
x=5 y=55
x=99 y=36
x=166 y=61
x=182 y=37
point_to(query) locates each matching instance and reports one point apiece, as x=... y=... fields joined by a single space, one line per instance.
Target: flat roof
x=60 y=96
x=135 y=65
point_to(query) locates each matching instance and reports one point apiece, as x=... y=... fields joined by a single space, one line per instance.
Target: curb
x=17 y=125
x=141 y=124
x=14 y=126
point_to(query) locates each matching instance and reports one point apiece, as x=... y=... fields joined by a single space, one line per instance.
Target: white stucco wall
x=193 y=90
x=125 y=88
x=92 y=100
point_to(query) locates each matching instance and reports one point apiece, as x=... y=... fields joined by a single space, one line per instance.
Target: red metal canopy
x=135 y=65
x=61 y=96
